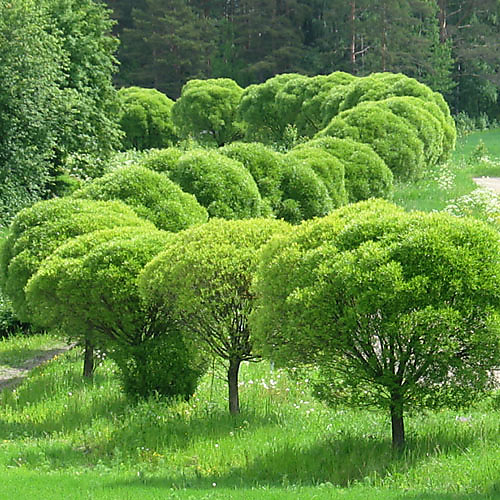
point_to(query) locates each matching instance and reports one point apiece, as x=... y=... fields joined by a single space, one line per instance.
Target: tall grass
x=284 y=443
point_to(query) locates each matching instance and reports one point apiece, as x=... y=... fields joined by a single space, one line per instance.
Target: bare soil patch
x=492 y=183
x=11 y=377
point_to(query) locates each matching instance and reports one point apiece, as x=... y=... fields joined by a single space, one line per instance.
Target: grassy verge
x=447 y=185
x=64 y=435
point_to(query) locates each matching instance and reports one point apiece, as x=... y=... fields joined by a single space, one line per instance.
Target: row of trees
x=395 y=310
x=452 y=45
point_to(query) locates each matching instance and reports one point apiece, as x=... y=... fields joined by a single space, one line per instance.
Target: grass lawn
x=63 y=437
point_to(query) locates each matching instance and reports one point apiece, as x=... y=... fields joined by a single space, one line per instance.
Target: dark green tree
x=167 y=45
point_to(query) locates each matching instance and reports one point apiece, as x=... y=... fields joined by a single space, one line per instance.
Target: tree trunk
x=88 y=360
x=232 y=379
x=353 y=37
x=398 y=428
x=443 y=35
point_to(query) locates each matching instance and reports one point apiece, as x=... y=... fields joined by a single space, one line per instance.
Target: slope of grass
x=58 y=431
x=442 y=185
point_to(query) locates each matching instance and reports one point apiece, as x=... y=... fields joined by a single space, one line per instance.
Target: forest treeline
x=450 y=45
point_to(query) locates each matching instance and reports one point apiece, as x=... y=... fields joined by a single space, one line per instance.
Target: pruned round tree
x=222 y=185
x=398 y=310
x=146 y=118
x=88 y=287
x=365 y=174
x=391 y=137
x=163 y=160
x=206 y=111
x=265 y=165
x=260 y=113
x=152 y=195
x=37 y=231
x=380 y=86
x=201 y=284
x=327 y=167
x=304 y=194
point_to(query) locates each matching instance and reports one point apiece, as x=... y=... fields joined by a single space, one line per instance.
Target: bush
x=327 y=167
x=159 y=366
x=38 y=230
x=304 y=194
x=145 y=117
x=365 y=174
x=428 y=128
x=206 y=111
x=263 y=120
x=390 y=136
x=379 y=86
x=222 y=185
x=264 y=164
x=163 y=161
x=152 y=195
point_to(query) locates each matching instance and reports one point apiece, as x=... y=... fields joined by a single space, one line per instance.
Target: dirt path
x=12 y=377
x=492 y=183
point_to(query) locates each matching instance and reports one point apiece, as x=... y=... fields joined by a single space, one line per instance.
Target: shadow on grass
x=340 y=461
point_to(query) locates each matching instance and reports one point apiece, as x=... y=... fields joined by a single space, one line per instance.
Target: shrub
x=262 y=117
x=152 y=195
x=327 y=167
x=88 y=286
x=163 y=161
x=264 y=164
x=379 y=86
x=145 y=117
x=365 y=174
x=206 y=111
x=390 y=136
x=201 y=283
x=428 y=128
x=304 y=194
x=398 y=310
x=38 y=230
x=222 y=185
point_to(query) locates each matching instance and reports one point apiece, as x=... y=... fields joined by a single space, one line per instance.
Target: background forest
x=450 y=45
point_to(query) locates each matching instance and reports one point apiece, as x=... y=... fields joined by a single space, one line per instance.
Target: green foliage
x=145 y=117
x=222 y=185
x=87 y=128
x=380 y=86
x=206 y=111
x=314 y=114
x=327 y=167
x=398 y=310
x=305 y=195
x=57 y=101
x=88 y=286
x=365 y=174
x=30 y=98
x=162 y=160
x=263 y=119
x=37 y=231
x=201 y=284
x=264 y=164
x=428 y=129
x=152 y=195
x=390 y=136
